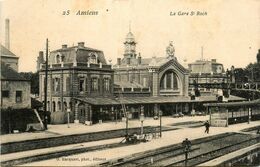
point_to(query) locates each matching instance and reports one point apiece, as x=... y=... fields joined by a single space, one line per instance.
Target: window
x=144 y=82
x=58 y=59
x=18 y=97
x=93 y=58
x=106 y=84
x=62 y=58
x=59 y=106
x=57 y=84
x=94 y=84
x=5 y=93
x=53 y=106
x=81 y=84
x=168 y=81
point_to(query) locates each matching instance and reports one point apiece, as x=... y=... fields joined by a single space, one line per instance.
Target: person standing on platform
x=207 y=125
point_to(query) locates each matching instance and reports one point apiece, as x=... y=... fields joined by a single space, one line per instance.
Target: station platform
x=63 y=130
x=168 y=138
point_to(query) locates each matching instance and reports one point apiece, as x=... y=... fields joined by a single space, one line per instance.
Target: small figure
x=187 y=144
x=207 y=125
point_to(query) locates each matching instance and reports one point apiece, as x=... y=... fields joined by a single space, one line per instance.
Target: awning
x=150 y=100
x=234 y=104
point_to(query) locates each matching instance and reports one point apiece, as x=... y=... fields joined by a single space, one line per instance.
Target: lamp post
x=160 y=115
x=142 y=120
x=126 y=123
x=45 y=87
x=68 y=112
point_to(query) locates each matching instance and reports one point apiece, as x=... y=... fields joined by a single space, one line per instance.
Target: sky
x=229 y=32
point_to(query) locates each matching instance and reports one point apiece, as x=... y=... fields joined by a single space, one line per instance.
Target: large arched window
x=169 y=81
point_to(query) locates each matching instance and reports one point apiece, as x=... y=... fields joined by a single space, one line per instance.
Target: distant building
x=209 y=75
x=15 y=90
x=75 y=72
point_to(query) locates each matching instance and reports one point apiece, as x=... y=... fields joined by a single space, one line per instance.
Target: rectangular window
x=5 y=93
x=106 y=84
x=81 y=84
x=94 y=84
x=64 y=84
x=68 y=84
x=144 y=82
x=18 y=96
x=57 y=84
x=86 y=85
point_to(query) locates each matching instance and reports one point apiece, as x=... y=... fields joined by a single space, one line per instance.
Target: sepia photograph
x=130 y=83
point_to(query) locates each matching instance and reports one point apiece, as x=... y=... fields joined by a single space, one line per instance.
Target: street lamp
x=142 y=120
x=160 y=115
x=68 y=112
x=126 y=123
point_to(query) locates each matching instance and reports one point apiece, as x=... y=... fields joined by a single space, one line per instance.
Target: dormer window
x=93 y=58
x=57 y=59
x=62 y=58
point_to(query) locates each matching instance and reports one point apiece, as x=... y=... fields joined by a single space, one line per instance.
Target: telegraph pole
x=45 y=87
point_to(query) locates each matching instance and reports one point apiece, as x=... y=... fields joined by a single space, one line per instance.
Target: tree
x=252 y=71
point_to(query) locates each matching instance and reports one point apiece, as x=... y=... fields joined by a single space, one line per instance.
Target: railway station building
x=153 y=86
x=81 y=81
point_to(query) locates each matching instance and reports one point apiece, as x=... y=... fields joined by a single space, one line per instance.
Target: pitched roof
x=7 y=73
x=6 y=52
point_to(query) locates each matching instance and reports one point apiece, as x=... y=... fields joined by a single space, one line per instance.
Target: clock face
x=219 y=69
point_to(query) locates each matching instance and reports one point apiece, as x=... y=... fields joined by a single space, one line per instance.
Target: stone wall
x=12 y=87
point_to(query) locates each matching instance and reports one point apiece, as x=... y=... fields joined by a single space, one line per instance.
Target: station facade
x=151 y=86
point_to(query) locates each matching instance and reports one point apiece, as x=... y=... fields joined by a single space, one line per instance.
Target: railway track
x=202 y=150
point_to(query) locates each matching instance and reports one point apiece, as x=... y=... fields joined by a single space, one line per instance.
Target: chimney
x=119 y=61
x=81 y=44
x=139 y=59
x=41 y=55
x=64 y=46
x=128 y=60
x=40 y=60
x=7 y=33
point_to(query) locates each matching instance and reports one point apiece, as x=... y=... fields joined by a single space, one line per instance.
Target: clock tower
x=130 y=45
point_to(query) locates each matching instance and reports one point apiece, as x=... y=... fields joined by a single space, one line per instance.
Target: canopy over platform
x=151 y=100
x=234 y=104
